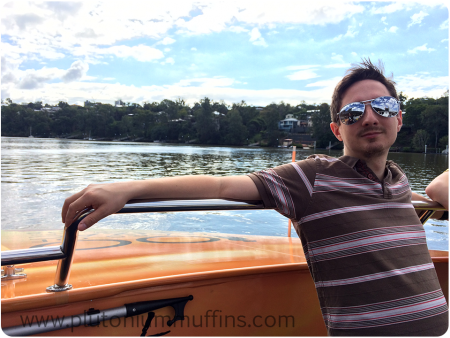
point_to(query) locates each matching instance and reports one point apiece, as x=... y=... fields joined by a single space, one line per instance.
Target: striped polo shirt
x=364 y=244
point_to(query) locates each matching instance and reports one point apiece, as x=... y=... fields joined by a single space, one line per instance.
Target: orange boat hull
x=241 y=285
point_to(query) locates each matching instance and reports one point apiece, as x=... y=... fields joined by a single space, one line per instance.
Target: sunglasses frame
x=366 y=102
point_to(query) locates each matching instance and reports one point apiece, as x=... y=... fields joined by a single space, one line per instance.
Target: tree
x=443 y=141
x=402 y=98
x=271 y=117
x=420 y=139
x=205 y=124
x=435 y=120
x=236 y=131
x=413 y=109
x=321 y=126
x=63 y=104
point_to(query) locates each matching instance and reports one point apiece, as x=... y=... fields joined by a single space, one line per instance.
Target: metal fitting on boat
x=11 y=272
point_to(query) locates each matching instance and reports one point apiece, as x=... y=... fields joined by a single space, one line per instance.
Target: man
x=365 y=247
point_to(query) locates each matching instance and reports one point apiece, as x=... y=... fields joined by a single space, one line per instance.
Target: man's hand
x=106 y=199
x=109 y=198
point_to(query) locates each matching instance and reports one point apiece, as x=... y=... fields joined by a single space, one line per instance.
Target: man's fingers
x=74 y=207
x=68 y=201
x=90 y=220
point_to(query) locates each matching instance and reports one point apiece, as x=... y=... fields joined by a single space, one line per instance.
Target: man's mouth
x=371 y=133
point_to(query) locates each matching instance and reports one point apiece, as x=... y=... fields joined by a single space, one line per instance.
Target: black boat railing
x=65 y=252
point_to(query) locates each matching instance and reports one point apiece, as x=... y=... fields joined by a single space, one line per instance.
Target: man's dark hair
x=365 y=70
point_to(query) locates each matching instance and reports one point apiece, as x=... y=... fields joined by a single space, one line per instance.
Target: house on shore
x=292 y=125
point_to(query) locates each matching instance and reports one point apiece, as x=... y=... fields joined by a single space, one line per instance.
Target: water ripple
x=38 y=174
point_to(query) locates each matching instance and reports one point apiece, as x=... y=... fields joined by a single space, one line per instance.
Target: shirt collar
x=361 y=167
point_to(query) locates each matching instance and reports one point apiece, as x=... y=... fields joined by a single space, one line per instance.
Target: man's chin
x=375 y=150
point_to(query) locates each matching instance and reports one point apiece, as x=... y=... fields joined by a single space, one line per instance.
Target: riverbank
x=195 y=142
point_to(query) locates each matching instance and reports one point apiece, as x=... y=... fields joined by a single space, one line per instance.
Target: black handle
x=178 y=305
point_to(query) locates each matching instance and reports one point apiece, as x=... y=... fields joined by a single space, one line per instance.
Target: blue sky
x=257 y=51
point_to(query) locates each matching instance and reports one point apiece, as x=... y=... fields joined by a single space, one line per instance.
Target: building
x=119 y=103
x=292 y=125
x=50 y=109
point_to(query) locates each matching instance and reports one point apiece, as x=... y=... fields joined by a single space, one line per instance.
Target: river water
x=38 y=174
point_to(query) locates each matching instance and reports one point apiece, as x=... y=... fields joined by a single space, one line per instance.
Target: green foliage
x=443 y=142
x=209 y=122
x=271 y=115
x=321 y=126
x=420 y=140
x=435 y=120
x=236 y=133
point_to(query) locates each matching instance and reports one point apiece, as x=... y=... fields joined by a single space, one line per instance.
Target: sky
x=257 y=51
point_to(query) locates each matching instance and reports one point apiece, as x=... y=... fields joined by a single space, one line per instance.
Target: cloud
x=56 y=29
x=87 y=33
x=354 y=54
x=330 y=83
x=34 y=79
x=167 y=41
x=338 y=65
x=393 y=29
x=77 y=70
x=256 y=38
x=301 y=67
x=193 y=48
x=237 y=29
x=417 y=18
x=351 y=32
x=25 y=21
x=405 y=6
x=217 y=88
x=170 y=60
x=216 y=81
x=422 y=84
x=109 y=78
x=444 y=25
x=302 y=75
x=337 y=57
x=383 y=20
x=254 y=34
x=62 y=9
x=422 y=48
x=272 y=12
x=191 y=90
x=141 y=52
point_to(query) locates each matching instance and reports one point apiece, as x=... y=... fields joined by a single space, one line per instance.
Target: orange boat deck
x=254 y=276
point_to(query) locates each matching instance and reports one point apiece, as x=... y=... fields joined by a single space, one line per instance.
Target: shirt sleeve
x=287 y=188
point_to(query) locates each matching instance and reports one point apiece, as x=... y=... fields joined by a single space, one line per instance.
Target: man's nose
x=370 y=117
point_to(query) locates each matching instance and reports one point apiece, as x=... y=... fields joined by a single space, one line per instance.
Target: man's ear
x=335 y=129
x=400 y=121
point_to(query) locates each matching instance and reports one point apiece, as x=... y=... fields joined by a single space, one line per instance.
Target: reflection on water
x=38 y=174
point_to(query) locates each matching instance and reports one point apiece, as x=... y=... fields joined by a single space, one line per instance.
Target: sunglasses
x=386 y=106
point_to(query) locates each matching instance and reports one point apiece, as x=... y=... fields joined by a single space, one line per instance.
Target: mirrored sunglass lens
x=351 y=113
x=386 y=106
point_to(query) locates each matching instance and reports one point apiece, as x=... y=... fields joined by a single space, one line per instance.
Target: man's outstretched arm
x=437 y=190
x=109 y=198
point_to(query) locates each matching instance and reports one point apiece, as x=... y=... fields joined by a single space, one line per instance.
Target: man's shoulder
x=325 y=164
x=329 y=161
x=322 y=157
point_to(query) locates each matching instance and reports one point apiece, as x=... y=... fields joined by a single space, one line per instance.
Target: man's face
x=372 y=135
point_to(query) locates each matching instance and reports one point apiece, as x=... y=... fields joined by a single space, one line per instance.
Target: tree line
x=209 y=122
